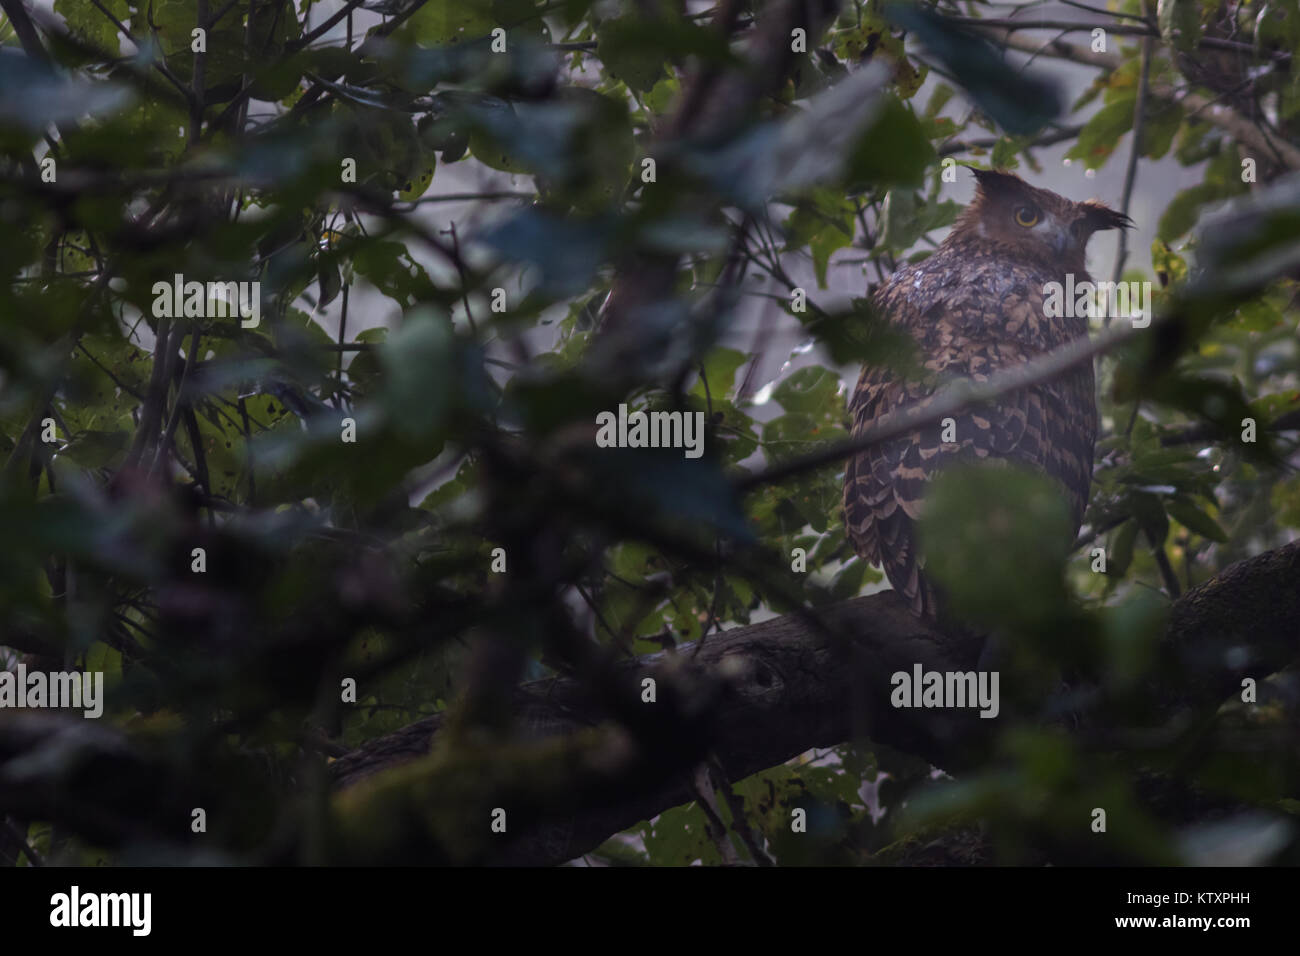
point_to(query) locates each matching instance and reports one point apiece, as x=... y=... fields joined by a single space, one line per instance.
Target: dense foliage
x=233 y=521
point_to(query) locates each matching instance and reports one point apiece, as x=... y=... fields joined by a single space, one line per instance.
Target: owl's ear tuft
x=1100 y=216
x=990 y=181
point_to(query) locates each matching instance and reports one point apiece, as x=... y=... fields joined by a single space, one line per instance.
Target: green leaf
x=996 y=538
x=86 y=21
x=903 y=160
x=452 y=22
x=98 y=449
x=445 y=22
x=902 y=225
x=1185 y=512
x=329 y=279
x=871 y=36
x=1101 y=134
x=224 y=58
x=809 y=390
x=720 y=367
x=1285 y=502
x=1171 y=268
x=1258 y=315
x=1006 y=151
x=1180 y=23
x=1121 y=549
x=388 y=266
x=417 y=360
x=938 y=100
x=1162 y=123
x=1180 y=215
x=635 y=48
x=418 y=184
x=662 y=94
x=1149 y=511
x=823 y=245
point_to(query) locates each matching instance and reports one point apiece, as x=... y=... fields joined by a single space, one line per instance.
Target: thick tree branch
x=791 y=689
x=778 y=688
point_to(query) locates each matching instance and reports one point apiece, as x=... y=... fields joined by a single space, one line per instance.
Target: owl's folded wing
x=885 y=484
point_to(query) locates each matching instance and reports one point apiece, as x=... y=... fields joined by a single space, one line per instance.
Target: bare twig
x=1119 y=29
x=1130 y=174
x=706 y=800
x=20 y=838
x=1166 y=569
x=954 y=146
x=328 y=24
x=739 y=820
x=1239 y=127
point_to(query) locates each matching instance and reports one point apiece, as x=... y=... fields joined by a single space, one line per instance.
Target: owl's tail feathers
x=859 y=516
x=881 y=526
x=920 y=591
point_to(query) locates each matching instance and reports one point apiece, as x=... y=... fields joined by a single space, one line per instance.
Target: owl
x=973 y=307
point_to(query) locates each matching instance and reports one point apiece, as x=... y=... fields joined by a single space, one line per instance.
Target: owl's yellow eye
x=1026 y=216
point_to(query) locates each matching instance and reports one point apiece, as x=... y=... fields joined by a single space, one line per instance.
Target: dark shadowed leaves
x=1018 y=101
x=893 y=149
x=418 y=361
x=1253 y=239
x=666 y=486
x=996 y=539
x=859 y=334
x=1190 y=515
x=635 y=49
x=777 y=157
x=32 y=95
x=565 y=251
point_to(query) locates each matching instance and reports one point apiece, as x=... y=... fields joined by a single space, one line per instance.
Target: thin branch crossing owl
x=974 y=307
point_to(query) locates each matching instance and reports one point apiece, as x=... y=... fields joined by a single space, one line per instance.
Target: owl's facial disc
x=1064 y=239
x=1059 y=235
x=1032 y=221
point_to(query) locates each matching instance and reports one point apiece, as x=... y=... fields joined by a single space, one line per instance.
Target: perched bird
x=973 y=307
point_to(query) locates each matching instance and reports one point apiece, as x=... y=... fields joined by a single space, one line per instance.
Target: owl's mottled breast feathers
x=973 y=307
